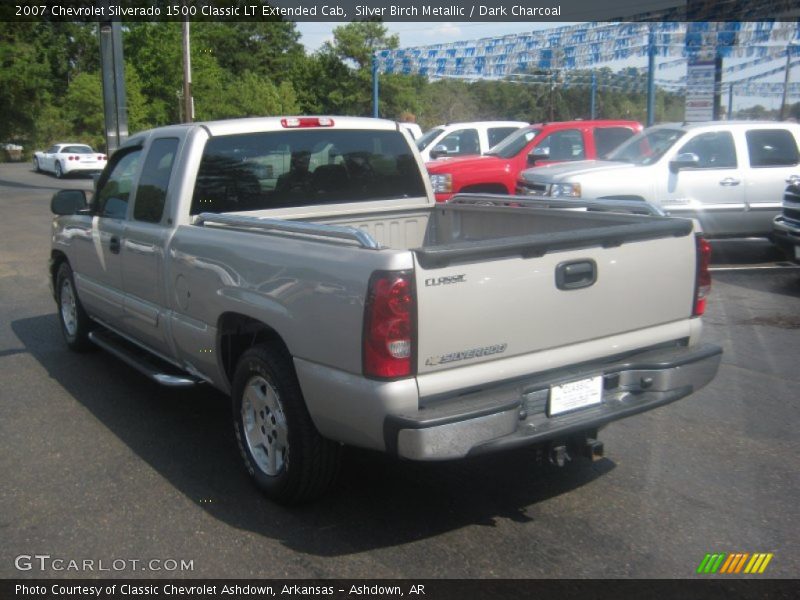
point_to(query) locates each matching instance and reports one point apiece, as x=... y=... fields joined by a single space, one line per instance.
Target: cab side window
x=114 y=190
x=463 y=141
x=566 y=144
x=151 y=194
x=715 y=150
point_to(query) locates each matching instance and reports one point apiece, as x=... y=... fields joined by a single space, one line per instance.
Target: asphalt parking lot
x=97 y=463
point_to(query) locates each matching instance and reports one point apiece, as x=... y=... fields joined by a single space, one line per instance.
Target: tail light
x=389 y=336
x=292 y=122
x=703 y=276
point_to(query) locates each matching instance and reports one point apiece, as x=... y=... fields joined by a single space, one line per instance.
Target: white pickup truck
x=728 y=175
x=302 y=266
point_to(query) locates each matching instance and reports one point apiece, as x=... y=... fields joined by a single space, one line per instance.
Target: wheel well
x=56 y=258
x=236 y=333
x=486 y=188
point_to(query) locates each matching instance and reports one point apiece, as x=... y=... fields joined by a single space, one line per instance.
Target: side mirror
x=68 y=202
x=438 y=151
x=686 y=160
x=538 y=153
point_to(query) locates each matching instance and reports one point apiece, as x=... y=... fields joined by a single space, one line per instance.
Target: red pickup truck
x=538 y=144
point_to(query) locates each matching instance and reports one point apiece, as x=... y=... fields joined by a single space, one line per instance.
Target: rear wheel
x=282 y=449
x=75 y=323
x=59 y=171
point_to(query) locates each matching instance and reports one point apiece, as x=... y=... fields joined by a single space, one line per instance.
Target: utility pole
x=651 y=76
x=188 y=100
x=593 y=102
x=786 y=72
x=730 y=101
x=374 y=86
x=113 y=76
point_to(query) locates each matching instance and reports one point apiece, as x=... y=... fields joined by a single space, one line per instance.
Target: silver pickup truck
x=302 y=266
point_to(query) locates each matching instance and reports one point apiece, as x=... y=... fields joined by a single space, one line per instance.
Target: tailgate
x=473 y=310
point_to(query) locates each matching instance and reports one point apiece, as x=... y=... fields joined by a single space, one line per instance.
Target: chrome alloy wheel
x=265 y=428
x=69 y=308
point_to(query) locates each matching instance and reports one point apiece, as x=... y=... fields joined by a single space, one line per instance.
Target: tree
x=357 y=42
x=24 y=85
x=266 y=49
x=83 y=114
x=83 y=109
x=349 y=56
x=255 y=96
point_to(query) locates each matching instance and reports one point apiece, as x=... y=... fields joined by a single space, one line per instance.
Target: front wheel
x=36 y=166
x=282 y=449
x=75 y=323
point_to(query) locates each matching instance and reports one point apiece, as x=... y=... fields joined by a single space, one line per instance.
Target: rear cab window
x=285 y=169
x=772 y=148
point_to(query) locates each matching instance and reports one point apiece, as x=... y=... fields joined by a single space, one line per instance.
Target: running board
x=141 y=360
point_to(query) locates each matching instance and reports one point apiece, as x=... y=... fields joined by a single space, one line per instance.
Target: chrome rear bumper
x=516 y=413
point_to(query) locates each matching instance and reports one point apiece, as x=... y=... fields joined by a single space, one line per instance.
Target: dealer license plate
x=574 y=395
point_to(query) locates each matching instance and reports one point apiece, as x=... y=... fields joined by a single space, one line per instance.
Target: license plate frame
x=575 y=395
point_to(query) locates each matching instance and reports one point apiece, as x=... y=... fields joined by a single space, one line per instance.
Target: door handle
x=729 y=181
x=575 y=275
x=113 y=245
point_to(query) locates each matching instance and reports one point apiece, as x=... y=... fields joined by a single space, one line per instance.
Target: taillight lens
x=703 y=277
x=389 y=342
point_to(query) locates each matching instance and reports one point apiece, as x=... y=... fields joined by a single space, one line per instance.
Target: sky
x=424 y=33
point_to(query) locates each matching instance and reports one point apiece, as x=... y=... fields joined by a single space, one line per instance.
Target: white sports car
x=63 y=159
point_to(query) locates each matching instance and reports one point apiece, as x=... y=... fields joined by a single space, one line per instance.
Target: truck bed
x=448 y=233
x=502 y=277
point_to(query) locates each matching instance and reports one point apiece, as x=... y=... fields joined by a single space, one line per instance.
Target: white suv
x=728 y=175
x=463 y=139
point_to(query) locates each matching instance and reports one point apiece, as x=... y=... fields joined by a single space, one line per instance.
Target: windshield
x=647 y=147
x=428 y=137
x=514 y=144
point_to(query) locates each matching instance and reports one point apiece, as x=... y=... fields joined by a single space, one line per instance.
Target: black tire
x=59 y=171
x=75 y=323
x=289 y=460
x=36 y=167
